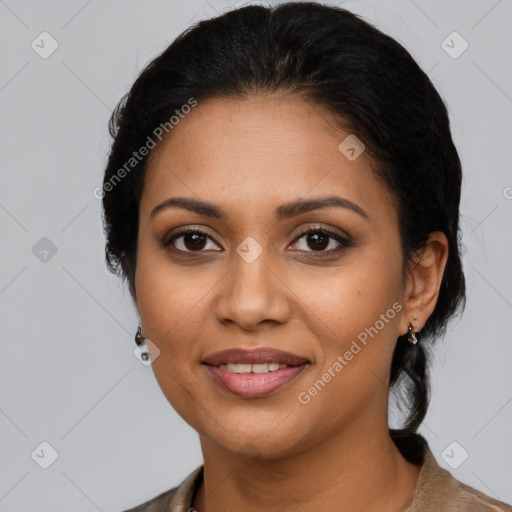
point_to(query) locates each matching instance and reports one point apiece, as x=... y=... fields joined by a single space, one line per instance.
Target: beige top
x=436 y=491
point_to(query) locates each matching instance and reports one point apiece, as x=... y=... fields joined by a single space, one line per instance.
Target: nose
x=252 y=294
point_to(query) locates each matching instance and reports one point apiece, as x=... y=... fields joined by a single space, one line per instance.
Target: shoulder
x=177 y=499
x=476 y=501
x=160 y=503
x=438 y=490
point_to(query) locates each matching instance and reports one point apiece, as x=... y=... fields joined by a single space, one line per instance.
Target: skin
x=249 y=157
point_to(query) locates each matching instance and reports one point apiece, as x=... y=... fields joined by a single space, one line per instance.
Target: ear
x=423 y=281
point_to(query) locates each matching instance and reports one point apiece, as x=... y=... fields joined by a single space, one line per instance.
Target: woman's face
x=255 y=281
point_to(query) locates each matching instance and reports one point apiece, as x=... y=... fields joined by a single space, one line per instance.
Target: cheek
x=169 y=306
x=166 y=292
x=356 y=317
x=343 y=302
x=165 y=300
x=171 y=311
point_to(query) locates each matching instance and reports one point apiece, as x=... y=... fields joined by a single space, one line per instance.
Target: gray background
x=68 y=375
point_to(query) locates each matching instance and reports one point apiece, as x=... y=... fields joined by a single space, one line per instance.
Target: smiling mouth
x=253 y=373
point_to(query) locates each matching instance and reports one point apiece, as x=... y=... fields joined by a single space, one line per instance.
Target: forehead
x=259 y=149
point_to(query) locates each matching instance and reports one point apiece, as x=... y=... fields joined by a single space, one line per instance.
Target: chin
x=253 y=436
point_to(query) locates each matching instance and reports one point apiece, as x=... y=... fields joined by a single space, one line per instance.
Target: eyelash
x=344 y=243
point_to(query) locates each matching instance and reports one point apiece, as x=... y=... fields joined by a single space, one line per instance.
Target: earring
x=412 y=336
x=141 y=342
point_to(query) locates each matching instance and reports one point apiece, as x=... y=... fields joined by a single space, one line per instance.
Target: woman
x=282 y=195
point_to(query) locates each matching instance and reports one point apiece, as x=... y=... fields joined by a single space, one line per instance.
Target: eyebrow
x=284 y=211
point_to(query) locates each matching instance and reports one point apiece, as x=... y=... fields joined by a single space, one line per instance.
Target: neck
x=358 y=469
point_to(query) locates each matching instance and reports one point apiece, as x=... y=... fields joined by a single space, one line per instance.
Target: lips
x=231 y=369
x=254 y=356
x=254 y=385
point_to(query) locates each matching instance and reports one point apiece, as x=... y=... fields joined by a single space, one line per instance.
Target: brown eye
x=318 y=240
x=194 y=241
x=191 y=240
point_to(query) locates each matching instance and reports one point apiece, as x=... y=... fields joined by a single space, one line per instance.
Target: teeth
x=252 y=368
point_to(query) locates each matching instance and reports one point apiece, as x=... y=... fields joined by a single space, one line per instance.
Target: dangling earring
x=412 y=336
x=141 y=342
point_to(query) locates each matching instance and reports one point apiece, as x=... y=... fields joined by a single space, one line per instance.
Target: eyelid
x=328 y=231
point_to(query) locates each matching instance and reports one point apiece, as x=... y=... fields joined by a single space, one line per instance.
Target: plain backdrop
x=68 y=375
